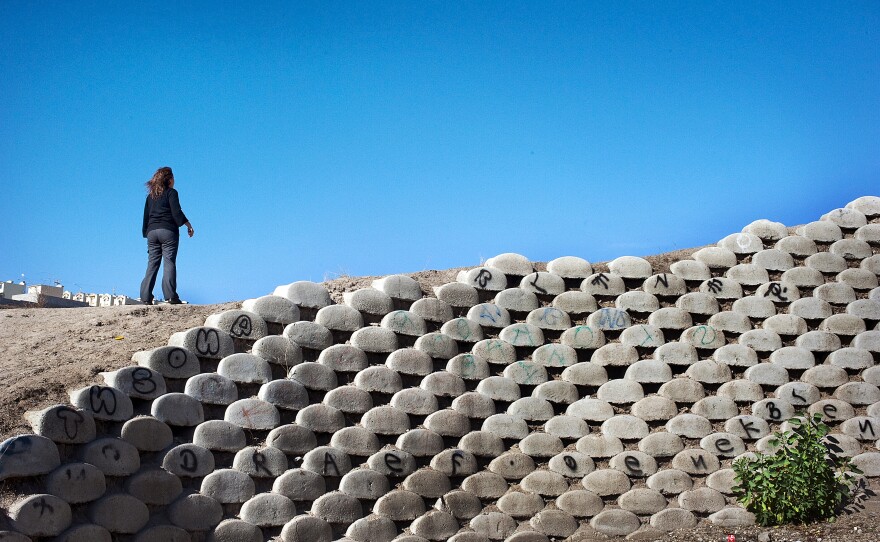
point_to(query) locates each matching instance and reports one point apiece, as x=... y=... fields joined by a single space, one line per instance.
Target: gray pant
x=161 y=247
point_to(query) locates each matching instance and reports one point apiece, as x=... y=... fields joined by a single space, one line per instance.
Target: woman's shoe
x=175 y=301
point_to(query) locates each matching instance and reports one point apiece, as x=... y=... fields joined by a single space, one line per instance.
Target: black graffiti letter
x=830 y=411
x=600 y=279
x=188 y=461
x=111 y=448
x=570 y=462
x=699 y=462
x=142 y=381
x=775 y=413
x=328 y=460
x=72 y=420
x=102 y=398
x=43 y=505
x=260 y=463
x=457 y=454
x=749 y=427
x=727 y=447
x=483 y=277
x=176 y=358
x=535 y=284
x=662 y=278
x=715 y=285
x=632 y=463
x=393 y=462
x=207 y=342
x=864 y=426
x=242 y=326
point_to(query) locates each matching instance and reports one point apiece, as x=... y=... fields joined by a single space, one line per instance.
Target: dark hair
x=160 y=181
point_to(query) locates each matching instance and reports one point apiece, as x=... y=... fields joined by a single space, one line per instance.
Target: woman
x=162 y=219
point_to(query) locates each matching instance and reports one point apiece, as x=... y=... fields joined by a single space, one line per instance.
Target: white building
x=44 y=289
x=9 y=289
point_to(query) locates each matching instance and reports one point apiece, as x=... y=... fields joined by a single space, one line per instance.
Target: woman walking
x=162 y=219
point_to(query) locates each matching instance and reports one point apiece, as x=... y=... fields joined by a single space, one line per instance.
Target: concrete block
x=211 y=389
x=500 y=388
x=303 y=528
x=410 y=361
x=868 y=463
x=228 y=486
x=484 y=278
x=648 y=371
x=545 y=483
x=543 y=283
x=448 y=423
x=730 y=322
x=583 y=338
x=863 y=428
x=285 y=394
x=570 y=267
x=541 y=445
x=606 y=482
x=671 y=519
x=273 y=308
x=604 y=285
x=355 y=441
x=661 y=444
x=260 y=462
x=404 y=323
x=642 y=501
x=826 y=262
x=733 y=516
x=433 y=310
x=506 y=426
x=793 y=357
x=178 y=409
x=592 y=410
x=676 y=353
x=575 y=303
x=27 y=455
x=608 y=319
x=400 y=505
x=420 y=443
x=695 y=461
x=703 y=500
x=754 y=306
x=458 y=294
x=300 y=485
x=843 y=325
x=797 y=245
x=428 y=483
x=761 y=340
x=463 y=330
x=866 y=309
x=169 y=361
x=437 y=345
x=305 y=294
x=154 y=487
x=708 y=371
x=716 y=257
x=85 y=532
x=747 y=427
x=555 y=523
x=526 y=373
x=736 y=355
x=833 y=410
x=113 y=456
x=682 y=390
x=103 y=403
x=634 y=464
x=195 y=512
x=435 y=525
x=495 y=351
x=615 y=522
x=40 y=515
x=310 y=335
x=820 y=231
x=474 y=405
x=620 y=392
x=773 y=410
x=625 y=427
x=520 y=505
x=369 y=301
x=62 y=424
x=859 y=279
x=851 y=249
x=268 y=510
x=489 y=315
x=571 y=464
x=742 y=243
x=76 y=483
x=858 y=393
x=869 y=340
x=485 y=485
x=482 y=444
x=643 y=336
x=704 y=337
x=517 y=300
x=722 y=481
x=349 y=400
x=415 y=401
x=867 y=205
x=825 y=376
x=385 y=420
x=767 y=230
x=549 y=318
x=615 y=354
x=319 y=418
x=372 y=528
x=119 y=513
x=206 y=342
x=691 y=270
x=337 y=508
x=165 y=533
x=698 y=303
x=670 y=482
x=327 y=461
x=665 y=285
x=689 y=426
x=443 y=384
x=798 y=393
x=557 y=392
x=314 y=376
x=769 y=374
x=715 y=408
x=188 y=461
x=340 y=318
x=580 y=503
x=238 y=323
x=585 y=374
x=399 y=287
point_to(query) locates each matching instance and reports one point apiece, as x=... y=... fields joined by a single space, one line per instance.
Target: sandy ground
x=45 y=353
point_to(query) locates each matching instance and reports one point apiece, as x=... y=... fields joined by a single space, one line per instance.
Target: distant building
x=9 y=289
x=92 y=300
x=45 y=289
x=105 y=300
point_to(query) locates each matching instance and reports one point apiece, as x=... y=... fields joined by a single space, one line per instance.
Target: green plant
x=806 y=479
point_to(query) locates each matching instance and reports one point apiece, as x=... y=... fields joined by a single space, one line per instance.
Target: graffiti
x=71 y=420
x=534 y=284
x=715 y=285
x=777 y=290
x=142 y=381
x=115 y=455
x=207 y=342
x=705 y=338
x=102 y=399
x=176 y=358
x=260 y=463
x=602 y=279
x=188 y=461
x=570 y=462
x=483 y=278
x=242 y=326
x=456 y=455
x=662 y=279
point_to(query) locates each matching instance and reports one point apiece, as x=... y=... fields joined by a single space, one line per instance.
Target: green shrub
x=804 y=480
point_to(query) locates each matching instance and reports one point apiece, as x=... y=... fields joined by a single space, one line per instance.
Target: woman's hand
x=189 y=229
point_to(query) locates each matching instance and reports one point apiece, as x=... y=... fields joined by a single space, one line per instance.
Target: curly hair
x=160 y=181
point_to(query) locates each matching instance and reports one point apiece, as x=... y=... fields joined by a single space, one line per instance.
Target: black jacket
x=163 y=213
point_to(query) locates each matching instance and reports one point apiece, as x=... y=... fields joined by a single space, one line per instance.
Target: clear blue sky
x=368 y=138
